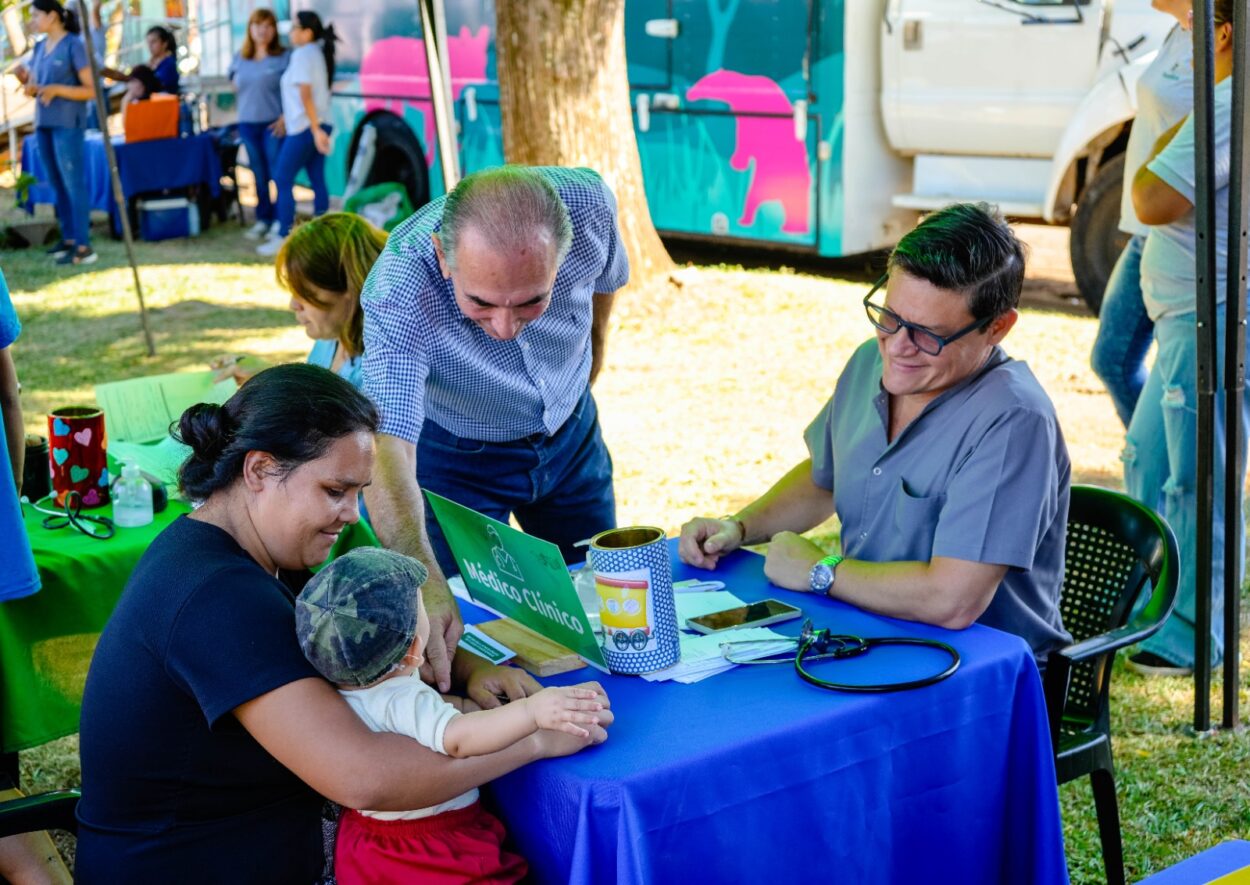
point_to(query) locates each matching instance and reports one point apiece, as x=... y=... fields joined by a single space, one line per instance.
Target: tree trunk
x=564 y=97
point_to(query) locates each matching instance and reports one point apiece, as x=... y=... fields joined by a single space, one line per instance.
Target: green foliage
x=22 y=187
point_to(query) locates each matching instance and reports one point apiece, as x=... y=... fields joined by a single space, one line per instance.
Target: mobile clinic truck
x=817 y=126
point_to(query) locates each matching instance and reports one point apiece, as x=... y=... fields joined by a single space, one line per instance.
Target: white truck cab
x=1024 y=104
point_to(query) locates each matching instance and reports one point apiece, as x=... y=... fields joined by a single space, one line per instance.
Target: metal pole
x=434 y=32
x=1235 y=361
x=1204 y=221
x=119 y=197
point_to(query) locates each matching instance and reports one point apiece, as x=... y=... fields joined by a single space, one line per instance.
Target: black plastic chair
x=1118 y=550
x=47 y=811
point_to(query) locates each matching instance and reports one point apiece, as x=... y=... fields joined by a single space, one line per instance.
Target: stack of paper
x=702 y=656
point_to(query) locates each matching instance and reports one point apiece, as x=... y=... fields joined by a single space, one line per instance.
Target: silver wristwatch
x=823 y=574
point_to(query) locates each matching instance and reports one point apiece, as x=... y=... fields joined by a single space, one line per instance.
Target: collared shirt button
x=542 y=382
x=863 y=534
x=876 y=471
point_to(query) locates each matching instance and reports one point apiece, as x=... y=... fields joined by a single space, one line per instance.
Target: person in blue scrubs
x=59 y=75
x=323 y=264
x=163 y=60
x=940 y=454
x=257 y=74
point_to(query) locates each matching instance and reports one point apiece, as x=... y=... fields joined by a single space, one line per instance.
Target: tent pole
x=1235 y=362
x=119 y=197
x=434 y=36
x=1204 y=219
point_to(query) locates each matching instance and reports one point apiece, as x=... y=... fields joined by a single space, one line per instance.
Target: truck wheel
x=398 y=158
x=1096 y=239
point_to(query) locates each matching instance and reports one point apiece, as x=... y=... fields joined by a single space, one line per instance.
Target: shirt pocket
x=916 y=519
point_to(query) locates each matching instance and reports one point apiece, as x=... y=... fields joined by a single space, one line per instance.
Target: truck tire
x=1096 y=239
x=398 y=158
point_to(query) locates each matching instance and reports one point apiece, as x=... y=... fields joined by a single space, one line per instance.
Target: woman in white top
x=1160 y=456
x=305 y=89
x=1165 y=94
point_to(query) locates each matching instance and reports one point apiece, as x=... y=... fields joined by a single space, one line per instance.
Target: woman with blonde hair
x=257 y=76
x=323 y=264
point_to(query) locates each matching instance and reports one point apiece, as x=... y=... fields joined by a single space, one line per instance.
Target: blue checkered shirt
x=425 y=358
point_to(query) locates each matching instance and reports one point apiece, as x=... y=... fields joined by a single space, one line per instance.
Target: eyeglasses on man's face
x=925 y=340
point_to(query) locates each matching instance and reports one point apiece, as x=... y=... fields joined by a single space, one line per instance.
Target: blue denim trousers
x=262 y=155
x=1124 y=333
x=559 y=486
x=62 y=150
x=1164 y=476
x=300 y=152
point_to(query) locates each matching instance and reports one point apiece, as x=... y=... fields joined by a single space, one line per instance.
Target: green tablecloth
x=46 y=640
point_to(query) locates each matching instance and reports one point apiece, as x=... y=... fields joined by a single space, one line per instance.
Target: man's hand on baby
x=573 y=710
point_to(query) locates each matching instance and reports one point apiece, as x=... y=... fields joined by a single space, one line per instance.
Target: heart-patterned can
x=77 y=455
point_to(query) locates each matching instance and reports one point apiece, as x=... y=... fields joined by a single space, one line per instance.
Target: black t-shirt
x=174 y=788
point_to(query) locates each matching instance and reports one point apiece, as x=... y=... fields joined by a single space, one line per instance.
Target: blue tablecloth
x=97 y=173
x=143 y=166
x=755 y=776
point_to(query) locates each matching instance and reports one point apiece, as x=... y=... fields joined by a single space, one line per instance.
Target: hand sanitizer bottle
x=132 y=499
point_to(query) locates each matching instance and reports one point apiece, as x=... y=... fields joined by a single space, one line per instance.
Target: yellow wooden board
x=537 y=654
x=1236 y=877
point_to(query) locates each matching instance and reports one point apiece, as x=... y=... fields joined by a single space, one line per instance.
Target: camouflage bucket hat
x=358 y=616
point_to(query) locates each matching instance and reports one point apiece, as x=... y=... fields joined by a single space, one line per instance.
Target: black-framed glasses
x=926 y=340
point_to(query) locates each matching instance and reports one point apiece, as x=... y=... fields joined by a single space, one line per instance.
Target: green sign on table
x=520 y=577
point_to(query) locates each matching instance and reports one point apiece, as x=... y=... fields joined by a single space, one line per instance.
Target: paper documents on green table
x=140 y=410
x=701 y=656
x=161 y=459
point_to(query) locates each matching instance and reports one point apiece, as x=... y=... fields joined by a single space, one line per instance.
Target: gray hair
x=505 y=205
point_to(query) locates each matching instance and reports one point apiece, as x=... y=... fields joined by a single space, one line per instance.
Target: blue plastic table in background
x=144 y=167
x=755 y=776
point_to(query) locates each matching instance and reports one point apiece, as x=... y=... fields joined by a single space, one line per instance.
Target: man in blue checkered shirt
x=484 y=326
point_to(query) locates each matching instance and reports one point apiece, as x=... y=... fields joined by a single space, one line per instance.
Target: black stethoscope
x=71 y=516
x=824 y=645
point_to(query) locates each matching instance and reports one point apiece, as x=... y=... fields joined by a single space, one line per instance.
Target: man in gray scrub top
x=940 y=454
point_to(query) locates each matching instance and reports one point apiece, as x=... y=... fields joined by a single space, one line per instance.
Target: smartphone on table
x=754 y=614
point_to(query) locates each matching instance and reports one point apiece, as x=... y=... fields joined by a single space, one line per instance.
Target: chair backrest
x=1121 y=563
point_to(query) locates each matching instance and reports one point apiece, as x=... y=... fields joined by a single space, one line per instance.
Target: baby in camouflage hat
x=362 y=624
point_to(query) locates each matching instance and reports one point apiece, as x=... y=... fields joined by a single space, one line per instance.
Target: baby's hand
x=565 y=709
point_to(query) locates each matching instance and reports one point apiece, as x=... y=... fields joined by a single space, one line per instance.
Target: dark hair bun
x=291 y=412
x=206 y=428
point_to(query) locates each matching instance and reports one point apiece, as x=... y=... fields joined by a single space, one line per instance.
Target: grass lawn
x=709 y=384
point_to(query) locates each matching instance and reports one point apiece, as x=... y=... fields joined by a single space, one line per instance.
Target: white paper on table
x=701 y=656
x=695 y=605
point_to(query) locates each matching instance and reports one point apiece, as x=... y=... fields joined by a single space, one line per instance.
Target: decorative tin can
x=634 y=583
x=78 y=456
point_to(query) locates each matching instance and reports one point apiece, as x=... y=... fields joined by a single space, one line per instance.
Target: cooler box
x=152 y=118
x=168 y=218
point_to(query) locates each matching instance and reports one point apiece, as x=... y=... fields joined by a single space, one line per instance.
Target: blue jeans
x=262 y=155
x=1124 y=333
x=1164 y=477
x=559 y=486
x=300 y=152
x=63 y=155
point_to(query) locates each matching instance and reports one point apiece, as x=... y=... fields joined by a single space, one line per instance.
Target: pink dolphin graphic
x=396 y=68
x=781 y=171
